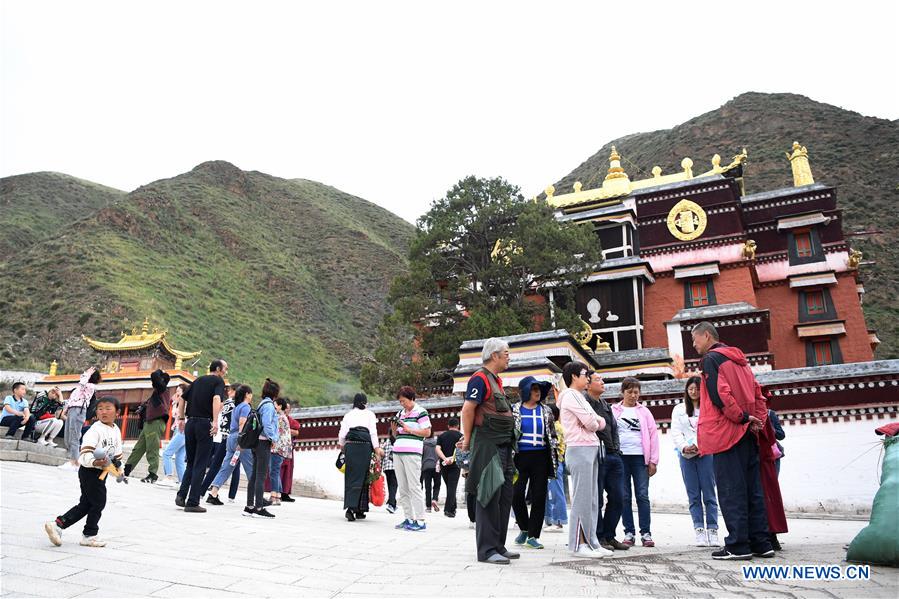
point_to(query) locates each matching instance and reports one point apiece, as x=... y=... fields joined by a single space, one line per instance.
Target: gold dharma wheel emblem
x=687 y=220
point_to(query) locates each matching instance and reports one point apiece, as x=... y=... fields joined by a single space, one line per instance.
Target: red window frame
x=803 y=241
x=699 y=294
x=823 y=353
x=815 y=302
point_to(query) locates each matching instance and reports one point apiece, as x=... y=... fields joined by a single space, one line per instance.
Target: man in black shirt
x=446 y=447
x=611 y=468
x=203 y=402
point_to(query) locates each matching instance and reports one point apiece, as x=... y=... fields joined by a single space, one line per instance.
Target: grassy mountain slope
x=285 y=279
x=37 y=205
x=857 y=154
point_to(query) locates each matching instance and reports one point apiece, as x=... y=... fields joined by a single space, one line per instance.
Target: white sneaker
x=52 y=444
x=43 y=442
x=165 y=482
x=92 y=542
x=702 y=539
x=586 y=551
x=230 y=500
x=54 y=532
x=67 y=465
x=602 y=552
x=713 y=538
x=471 y=525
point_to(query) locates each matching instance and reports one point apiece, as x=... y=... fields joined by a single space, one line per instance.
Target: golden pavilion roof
x=143 y=340
x=617 y=184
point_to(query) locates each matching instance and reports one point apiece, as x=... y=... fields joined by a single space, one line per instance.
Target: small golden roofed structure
x=137 y=343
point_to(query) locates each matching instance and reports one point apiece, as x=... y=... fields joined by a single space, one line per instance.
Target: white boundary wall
x=831 y=467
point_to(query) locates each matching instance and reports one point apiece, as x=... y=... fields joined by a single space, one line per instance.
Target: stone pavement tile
x=49 y=571
x=258 y=587
x=35 y=555
x=107 y=593
x=115 y=582
x=17 y=585
x=176 y=591
x=171 y=574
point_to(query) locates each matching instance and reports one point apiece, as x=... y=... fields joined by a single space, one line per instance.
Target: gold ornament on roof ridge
x=802 y=170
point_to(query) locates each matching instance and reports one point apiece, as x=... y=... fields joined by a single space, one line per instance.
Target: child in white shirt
x=105 y=435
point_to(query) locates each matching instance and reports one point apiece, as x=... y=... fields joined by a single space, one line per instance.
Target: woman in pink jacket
x=580 y=424
x=639 y=438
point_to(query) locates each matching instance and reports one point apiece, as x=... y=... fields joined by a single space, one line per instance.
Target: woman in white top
x=697 y=470
x=358 y=438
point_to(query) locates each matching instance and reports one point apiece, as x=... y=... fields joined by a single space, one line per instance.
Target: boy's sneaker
x=713 y=537
x=702 y=539
x=402 y=525
x=249 y=512
x=416 y=526
x=54 y=532
x=628 y=539
x=522 y=538
x=769 y=553
x=391 y=508
x=533 y=543
x=213 y=500
x=724 y=554
x=646 y=540
x=264 y=513
x=92 y=542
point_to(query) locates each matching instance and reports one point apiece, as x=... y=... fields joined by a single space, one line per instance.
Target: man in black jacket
x=611 y=468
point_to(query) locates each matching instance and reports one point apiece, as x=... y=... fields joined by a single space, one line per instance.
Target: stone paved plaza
x=309 y=550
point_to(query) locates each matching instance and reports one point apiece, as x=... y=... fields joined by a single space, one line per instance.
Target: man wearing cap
x=488 y=428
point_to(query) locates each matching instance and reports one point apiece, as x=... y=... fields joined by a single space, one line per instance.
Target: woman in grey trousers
x=580 y=424
x=74 y=413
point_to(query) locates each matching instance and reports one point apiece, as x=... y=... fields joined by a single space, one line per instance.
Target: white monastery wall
x=831 y=467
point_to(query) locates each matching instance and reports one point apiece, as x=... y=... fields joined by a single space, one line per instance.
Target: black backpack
x=252 y=428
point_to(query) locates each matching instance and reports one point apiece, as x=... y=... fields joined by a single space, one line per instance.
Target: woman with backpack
x=264 y=421
x=243 y=405
x=154 y=413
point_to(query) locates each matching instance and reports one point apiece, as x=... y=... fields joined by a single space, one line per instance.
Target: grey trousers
x=583 y=464
x=74 y=422
x=408 y=476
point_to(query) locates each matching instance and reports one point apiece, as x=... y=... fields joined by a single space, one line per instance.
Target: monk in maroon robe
x=774 y=506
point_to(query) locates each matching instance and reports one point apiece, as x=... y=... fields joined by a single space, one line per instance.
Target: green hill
x=38 y=205
x=857 y=154
x=283 y=278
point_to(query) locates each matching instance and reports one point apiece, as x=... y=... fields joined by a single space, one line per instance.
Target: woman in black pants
x=262 y=453
x=535 y=459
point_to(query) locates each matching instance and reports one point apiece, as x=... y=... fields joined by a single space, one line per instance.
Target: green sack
x=878 y=542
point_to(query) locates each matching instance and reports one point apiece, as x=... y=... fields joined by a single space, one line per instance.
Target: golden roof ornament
x=53 y=367
x=550 y=191
x=802 y=170
x=615 y=170
x=577 y=186
x=749 y=249
x=855 y=258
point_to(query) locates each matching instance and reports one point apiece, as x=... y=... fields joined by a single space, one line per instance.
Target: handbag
x=776 y=451
x=377 y=492
x=340 y=464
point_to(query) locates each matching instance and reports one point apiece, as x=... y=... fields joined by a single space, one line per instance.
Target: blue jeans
x=611 y=479
x=274 y=472
x=635 y=470
x=699 y=479
x=176 y=451
x=556 y=508
x=246 y=462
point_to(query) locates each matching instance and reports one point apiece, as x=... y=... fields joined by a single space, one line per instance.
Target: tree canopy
x=476 y=267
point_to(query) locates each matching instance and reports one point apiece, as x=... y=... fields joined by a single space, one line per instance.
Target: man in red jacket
x=732 y=411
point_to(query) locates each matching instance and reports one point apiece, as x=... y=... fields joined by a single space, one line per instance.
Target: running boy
x=103 y=434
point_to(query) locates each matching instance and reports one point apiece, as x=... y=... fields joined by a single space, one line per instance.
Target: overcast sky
x=394 y=102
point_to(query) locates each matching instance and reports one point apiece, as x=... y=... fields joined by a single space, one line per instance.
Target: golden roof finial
x=145 y=328
x=656 y=172
x=615 y=170
x=802 y=170
x=53 y=367
x=687 y=165
x=577 y=186
x=550 y=191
